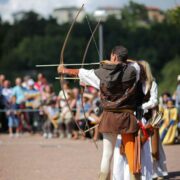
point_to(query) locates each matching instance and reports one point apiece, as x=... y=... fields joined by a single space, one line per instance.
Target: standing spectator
x=31 y=95
x=2 y=79
x=3 y=105
x=25 y=82
x=19 y=92
x=7 y=90
x=41 y=82
x=12 y=115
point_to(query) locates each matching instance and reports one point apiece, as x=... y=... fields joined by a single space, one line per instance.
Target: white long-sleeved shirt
x=89 y=78
x=153 y=100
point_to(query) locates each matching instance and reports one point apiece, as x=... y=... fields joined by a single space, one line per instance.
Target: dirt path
x=34 y=158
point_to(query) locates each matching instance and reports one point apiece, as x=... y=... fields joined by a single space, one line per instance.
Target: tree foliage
x=169 y=73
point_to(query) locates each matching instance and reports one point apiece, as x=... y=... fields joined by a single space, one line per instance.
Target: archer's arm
x=71 y=72
x=86 y=77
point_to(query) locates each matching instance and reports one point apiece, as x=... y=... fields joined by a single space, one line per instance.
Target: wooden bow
x=83 y=60
x=62 y=62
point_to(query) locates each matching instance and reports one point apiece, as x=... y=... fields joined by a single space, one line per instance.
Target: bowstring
x=94 y=40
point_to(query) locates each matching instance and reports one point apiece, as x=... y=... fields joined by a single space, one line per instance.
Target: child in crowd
x=65 y=120
x=52 y=114
x=12 y=115
x=163 y=100
x=169 y=126
x=80 y=117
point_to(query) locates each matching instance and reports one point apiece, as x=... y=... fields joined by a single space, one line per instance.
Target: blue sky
x=45 y=7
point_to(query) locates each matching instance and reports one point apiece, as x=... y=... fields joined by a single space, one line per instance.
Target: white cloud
x=45 y=7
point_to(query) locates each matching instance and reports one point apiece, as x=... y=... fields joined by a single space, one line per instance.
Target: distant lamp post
x=100 y=15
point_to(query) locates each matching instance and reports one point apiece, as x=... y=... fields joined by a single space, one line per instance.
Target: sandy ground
x=34 y=158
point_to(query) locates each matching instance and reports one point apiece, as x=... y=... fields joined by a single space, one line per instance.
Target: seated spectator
x=163 y=100
x=169 y=126
x=66 y=116
x=48 y=94
x=76 y=98
x=80 y=116
x=12 y=115
x=52 y=116
x=95 y=112
x=65 y=120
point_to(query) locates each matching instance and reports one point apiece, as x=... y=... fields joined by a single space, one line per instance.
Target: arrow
x=67 y=78
x=77 y=64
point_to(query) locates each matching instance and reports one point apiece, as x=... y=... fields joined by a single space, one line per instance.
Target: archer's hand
x=60 y=69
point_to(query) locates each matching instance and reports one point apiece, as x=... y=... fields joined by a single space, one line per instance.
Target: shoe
x=45 y=135
x=104 y=176
x=62 y=136
x=50 y=136
x=69 y=136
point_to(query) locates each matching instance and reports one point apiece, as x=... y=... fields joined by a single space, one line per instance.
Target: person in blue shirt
x=19 y=91
x=12 y=115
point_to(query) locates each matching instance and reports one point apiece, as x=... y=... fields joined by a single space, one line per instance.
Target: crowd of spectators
x=34 y=107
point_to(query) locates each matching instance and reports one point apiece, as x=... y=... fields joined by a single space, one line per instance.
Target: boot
x=135 y=176
x=104 y=176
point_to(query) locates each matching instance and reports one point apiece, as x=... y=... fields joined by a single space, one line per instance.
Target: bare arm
x=86 y=77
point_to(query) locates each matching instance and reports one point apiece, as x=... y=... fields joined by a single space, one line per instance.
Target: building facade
x=104 y=12
x=67 y=14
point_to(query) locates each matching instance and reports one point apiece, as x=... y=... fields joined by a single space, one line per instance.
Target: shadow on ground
x=174 y=175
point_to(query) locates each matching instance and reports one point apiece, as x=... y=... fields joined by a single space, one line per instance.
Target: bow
x=62 y=62
x=83 y=60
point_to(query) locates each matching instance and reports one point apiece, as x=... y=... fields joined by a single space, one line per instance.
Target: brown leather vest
x=118 y=86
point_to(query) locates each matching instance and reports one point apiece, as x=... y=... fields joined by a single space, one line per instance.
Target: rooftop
x=71 y=8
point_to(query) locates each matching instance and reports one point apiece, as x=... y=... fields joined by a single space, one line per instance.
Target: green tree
x=169 y=73
x=134 y=14
x=173 y=16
